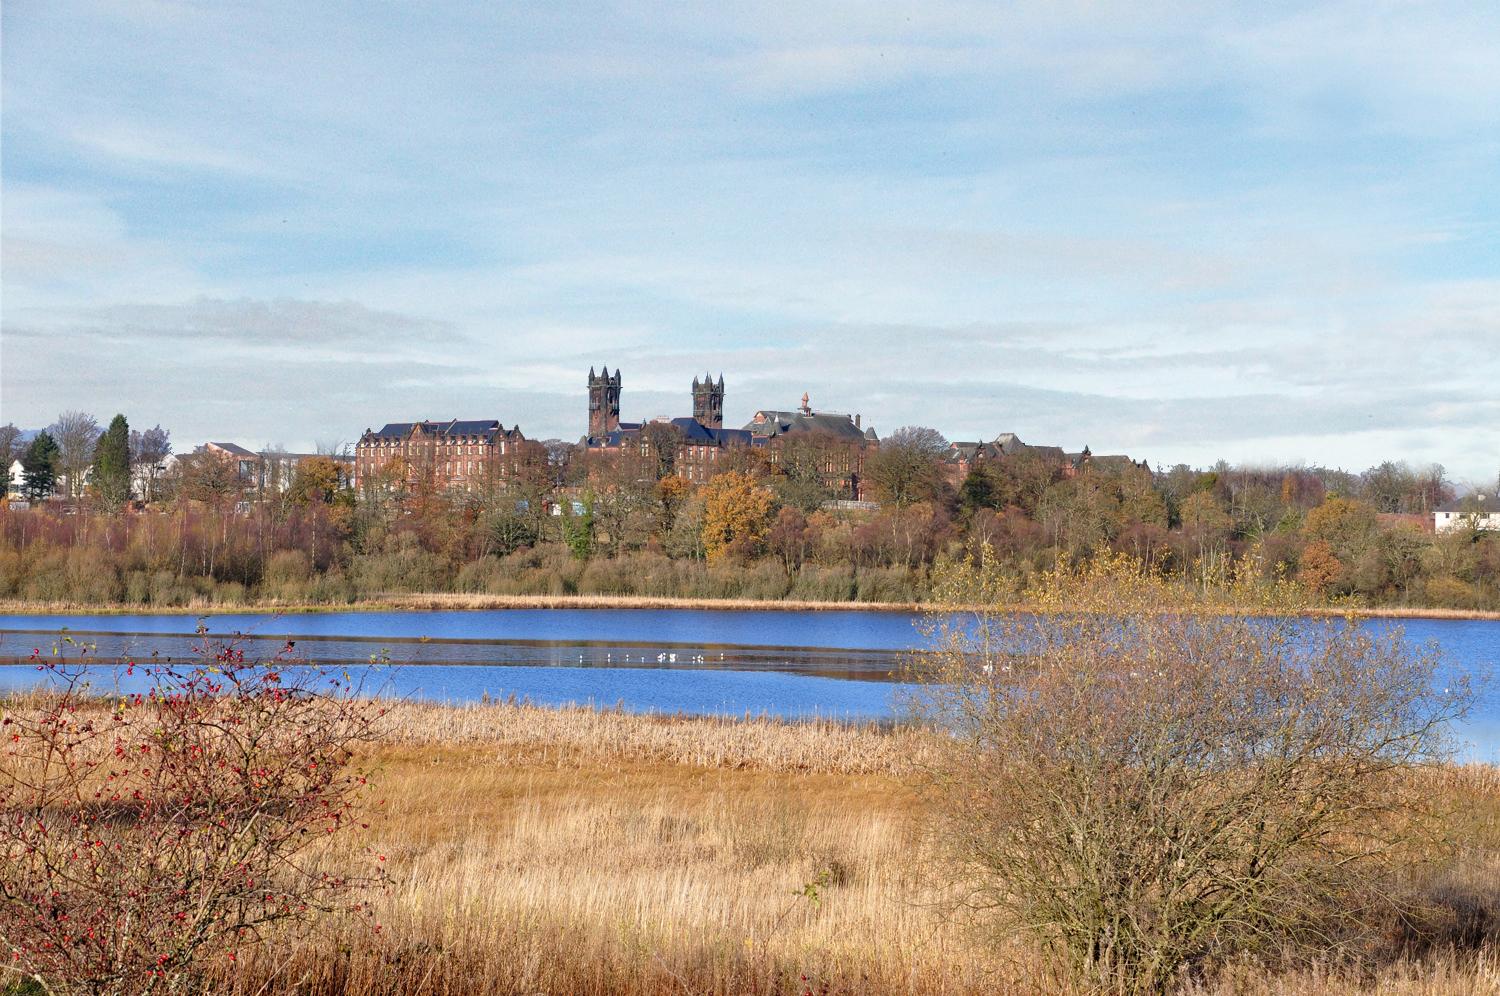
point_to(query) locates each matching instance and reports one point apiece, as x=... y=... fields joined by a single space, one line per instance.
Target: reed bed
x=575 y=851
x=531 y=734
x=597 y=852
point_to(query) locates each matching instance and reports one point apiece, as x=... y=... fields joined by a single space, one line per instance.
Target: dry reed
x=580 y=852
x=592 y=853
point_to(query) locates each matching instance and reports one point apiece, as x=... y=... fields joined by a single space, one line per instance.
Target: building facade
x=269 y=472
x=839 y=444
x=698 y=444
x=1477 y=511
x=456 y=455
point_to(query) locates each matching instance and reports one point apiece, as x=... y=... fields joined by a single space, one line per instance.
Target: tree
x=662 y=441
x=1347 y=525
x=76 y=434
x=905 y=468
x=205 y=477
x=790 y=539
x=111 y=477
x=578 y=527
x=39 y=467
x=736 y=515
x=10 y=448
x=145 y=836
x=316 y=480
x=671 y=492
x=1146 y=791
x=1319 y=570
x=802 y=465
x=148 y=452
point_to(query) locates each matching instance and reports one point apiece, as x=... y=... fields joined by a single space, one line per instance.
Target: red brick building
x=456 y=455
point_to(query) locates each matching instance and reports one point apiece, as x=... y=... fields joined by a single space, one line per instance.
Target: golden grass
x=579 y=852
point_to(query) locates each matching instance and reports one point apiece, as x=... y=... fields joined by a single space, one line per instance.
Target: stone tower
x=708 y=402
x=604 y=402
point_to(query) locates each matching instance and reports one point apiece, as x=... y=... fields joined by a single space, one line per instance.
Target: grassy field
x=544 y=851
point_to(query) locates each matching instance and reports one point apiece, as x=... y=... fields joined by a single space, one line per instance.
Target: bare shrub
x=147 y=835
x=1147 y=791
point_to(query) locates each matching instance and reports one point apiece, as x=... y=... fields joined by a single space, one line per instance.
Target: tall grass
x=582 y=852
x=588 y=852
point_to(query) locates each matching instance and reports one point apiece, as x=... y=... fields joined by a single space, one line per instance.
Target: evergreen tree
x=112 y=464
x=39 y=467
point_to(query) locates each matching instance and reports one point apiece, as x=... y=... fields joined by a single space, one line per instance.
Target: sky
x=1189 y=231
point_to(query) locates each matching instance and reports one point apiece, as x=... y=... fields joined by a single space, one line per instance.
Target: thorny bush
x=150 y=831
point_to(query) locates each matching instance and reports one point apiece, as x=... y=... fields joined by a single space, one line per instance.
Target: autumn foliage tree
x=147 y=835
x=736 y=515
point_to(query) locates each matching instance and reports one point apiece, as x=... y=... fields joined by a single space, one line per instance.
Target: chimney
x=856 y=420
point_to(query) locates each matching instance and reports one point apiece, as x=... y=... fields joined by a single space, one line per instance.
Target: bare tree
x=10 y=451
x=148 y=454
x=905 y=469
x=1146 y=790
x=76 y=433
x=10 y=445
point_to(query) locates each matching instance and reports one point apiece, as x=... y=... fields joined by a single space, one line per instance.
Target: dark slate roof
x=768 y=424
x=694 y=433
x=235 y=448
x=1003 y=445
x=487 y=429
x=698 y=434
x=1471 y=504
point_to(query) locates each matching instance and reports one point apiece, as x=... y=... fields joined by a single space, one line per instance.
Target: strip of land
x=447 y=601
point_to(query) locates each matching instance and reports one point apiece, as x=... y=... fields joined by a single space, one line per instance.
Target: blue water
x=834 y=664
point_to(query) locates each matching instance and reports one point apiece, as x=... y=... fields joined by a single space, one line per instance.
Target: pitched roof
x=234 y=448
x=488 y=429
x=1004 y=445
x=768 y=423
x=693 y=432
x=1477 y=503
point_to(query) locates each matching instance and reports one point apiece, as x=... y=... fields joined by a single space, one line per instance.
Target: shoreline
x=440 y=601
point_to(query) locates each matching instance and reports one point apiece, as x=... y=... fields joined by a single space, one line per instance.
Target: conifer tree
x=39 y=467
x=112 y=464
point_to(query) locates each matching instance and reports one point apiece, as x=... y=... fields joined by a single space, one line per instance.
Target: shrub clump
x=1147 y=791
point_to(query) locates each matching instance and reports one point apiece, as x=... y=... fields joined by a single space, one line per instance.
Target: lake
x=833 y=664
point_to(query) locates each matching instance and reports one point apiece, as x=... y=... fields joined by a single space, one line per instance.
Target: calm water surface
x=841 y=664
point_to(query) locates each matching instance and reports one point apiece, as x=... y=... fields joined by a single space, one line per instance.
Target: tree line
x=564 y=520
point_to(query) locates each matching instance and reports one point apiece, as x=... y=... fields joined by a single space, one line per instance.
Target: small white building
x=1473 y=511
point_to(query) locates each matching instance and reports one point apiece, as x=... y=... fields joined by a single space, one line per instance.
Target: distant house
x=15 y=479
x=962 y=457
x=1473 y=511
x=269 y=471
x=246 y=462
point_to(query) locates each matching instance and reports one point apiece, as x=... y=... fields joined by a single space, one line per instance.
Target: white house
x=1473 y=511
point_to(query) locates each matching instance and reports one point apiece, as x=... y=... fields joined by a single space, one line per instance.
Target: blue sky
x=1184 y=231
